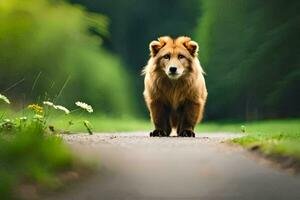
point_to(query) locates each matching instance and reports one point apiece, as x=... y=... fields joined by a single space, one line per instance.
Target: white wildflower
x=84 y=106
x=38 y=117
x=48 y=103
x=23 y=118
x=57 y=107
x=4 y=98
x=62 y=108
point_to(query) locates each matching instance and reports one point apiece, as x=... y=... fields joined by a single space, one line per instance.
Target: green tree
x=250 y=52
x=48 y=42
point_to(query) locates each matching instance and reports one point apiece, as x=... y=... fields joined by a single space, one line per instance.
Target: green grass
x=222 y=126
x=31 y=154
x=280 y=138
x=100 y=123
x=265 y=126
x=126 y=124
x=274 y=137
x=109 y=124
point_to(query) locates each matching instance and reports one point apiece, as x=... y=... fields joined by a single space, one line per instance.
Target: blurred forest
x=250 y=51
x=48 y=48
x=94 y=51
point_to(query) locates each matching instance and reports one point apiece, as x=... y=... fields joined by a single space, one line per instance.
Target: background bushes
x=49 y=44
x=249 y=49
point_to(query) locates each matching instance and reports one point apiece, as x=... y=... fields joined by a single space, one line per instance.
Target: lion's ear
x=157 y=45
x=154 y=47
x=192 y=47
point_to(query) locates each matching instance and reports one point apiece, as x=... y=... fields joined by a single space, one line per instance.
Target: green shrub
x=44 y=43
x=30 y=155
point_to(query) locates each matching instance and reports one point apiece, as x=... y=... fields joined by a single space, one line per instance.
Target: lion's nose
x=173 y=70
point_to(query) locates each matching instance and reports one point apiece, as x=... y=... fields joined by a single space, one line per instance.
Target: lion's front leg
x=160 y=115
x=191 y=114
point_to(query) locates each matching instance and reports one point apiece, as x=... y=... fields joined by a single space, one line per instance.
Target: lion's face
x=174 y=62
x=174 y=57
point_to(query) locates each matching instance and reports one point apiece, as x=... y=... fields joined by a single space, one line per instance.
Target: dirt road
x=135 y=166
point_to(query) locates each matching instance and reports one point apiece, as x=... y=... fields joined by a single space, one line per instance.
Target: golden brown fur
x=175 y=91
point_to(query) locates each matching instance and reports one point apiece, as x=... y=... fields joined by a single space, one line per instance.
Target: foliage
x=45 y=45
x=252 y=127
x=250 y=52
x=102 y=123
x=28 y=154
x=32 y=151
x=280 y=138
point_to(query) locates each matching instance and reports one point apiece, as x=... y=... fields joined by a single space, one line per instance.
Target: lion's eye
x=167 y=56
x=180 y=56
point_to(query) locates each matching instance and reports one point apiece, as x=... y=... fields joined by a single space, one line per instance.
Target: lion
x=175 y=91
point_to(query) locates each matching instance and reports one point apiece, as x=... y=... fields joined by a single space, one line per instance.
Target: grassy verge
x=30 y=156
x=279 y=139
x=266 y=126
x=108 y=124
x=33 y=157
x=100 y=123
x=275 y=138
x=126 y=124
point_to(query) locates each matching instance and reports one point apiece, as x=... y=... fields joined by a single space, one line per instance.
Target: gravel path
x=135 y=166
